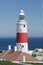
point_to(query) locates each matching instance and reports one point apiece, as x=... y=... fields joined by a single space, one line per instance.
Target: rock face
x=16 y=56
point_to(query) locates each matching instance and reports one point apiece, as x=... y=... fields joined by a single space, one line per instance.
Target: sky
x=9 y=10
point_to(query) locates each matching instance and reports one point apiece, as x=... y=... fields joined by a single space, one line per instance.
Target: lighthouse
x=22 y=35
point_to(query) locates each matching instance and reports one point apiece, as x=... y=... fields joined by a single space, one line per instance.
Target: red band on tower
x=22 y=38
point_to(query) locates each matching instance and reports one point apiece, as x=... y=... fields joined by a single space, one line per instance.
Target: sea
x=33 y=42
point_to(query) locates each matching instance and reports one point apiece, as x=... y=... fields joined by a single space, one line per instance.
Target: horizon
x=9 y=17
x=15 y=37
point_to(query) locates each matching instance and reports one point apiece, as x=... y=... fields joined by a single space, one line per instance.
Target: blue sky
x=9 y=10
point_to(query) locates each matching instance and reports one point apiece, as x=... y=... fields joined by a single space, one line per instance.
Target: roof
x=16 y=56
x=21 y=12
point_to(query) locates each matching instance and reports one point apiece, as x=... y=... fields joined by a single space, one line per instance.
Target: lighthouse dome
x=21 y=12
x=21 y=15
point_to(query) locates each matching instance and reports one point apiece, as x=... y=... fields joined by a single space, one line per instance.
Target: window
x=24 y=25
x=20 y=30
x=21 y=17
x=20 y=44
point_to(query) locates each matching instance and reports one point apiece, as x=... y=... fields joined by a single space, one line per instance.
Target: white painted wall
x=21 y=28
x=9 y=47
x=24 y=59
x=22 y=49
x=15 y=48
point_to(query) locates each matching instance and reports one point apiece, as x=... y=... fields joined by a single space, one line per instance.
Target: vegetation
x=10 y=63
x=7 y=63
x=35 y=63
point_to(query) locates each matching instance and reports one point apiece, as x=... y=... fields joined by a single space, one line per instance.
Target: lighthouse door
x=22 y=48
x=19 y=47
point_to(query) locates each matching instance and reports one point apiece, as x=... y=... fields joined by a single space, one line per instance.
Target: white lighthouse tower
x=22 y=37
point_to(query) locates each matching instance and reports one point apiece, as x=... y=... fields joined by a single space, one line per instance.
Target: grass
x=7 y=63
x=10 y=63
x=35 y=63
